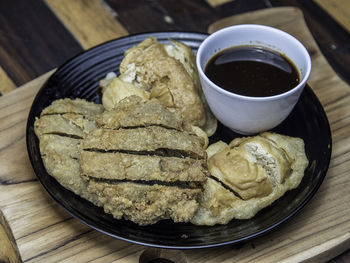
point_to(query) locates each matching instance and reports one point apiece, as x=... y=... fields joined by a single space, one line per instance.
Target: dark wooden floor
x=33 y=40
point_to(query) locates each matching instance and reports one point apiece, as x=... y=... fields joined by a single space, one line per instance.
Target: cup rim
x=303 y=49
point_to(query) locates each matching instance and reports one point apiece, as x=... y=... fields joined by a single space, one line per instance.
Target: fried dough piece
x=266 y=153
x=146 y=204
x=148 y=139
x=218 y=205
x=60 y=156
x=121 y=166
x=115 y=89
x=235 y=169
x=166 y=79
x=135 y=112
x=281 y=160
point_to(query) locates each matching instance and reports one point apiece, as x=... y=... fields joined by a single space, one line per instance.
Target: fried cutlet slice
x=79 y=106
x=60 y=130
x=147 y=139
x=135 y=112
x=57 y=124
x=60 y=156
x=68 y=124
x=146 y=204
x=121 y=166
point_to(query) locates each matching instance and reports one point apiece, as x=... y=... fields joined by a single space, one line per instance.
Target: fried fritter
x=139 y=161
x=148 y=139
x=60 y=156
x=60 y=130
x=79 y=106
x=121 y=166
x=135 y=112
x=143 y=164
x=249 y=174
x=146 y=204
x=166 y=78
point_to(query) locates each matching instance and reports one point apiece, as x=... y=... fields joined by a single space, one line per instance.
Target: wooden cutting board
x=44 y=232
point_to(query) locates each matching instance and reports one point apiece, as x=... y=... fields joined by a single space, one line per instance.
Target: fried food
x=152 y=140
x=133 y=112
x=146 y=204
x=60 y=129
x=249 y=174
x=116 y=89
x=164 y=72
x=166 y=79
x=78 y=106
x=144 y=163
x=125 y=166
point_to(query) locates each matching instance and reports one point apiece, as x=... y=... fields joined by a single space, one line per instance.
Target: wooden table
x=37 y=36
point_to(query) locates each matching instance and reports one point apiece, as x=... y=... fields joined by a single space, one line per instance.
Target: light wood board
x=44 y=232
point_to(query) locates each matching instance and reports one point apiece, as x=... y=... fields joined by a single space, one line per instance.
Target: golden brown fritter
x=249 y=174
x=165 y=78
x=60 y=156
x=140 y=164
x=143 y=164
x=79 y=106
x=60 y=130
x=58 y=124
x=147 y=139
x=121 y=166
x=135 y=112
x=146 y=204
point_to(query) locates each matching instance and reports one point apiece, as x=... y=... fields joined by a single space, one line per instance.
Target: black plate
x=79 y=77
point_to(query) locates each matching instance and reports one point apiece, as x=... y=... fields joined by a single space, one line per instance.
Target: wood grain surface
x=90 y=22
x=44 y=232
x=338 y=9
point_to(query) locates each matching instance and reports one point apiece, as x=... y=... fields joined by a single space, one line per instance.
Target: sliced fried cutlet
x=57 y=124
x=148 y=139
x=60 y=156
x=146 y=204
x=60 y=130
x=121 y=166
x=79 y=106
x=135 y=112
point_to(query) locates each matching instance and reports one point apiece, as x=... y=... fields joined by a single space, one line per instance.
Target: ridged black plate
x=79 y=77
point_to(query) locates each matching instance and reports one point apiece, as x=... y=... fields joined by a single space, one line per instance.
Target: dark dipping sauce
x=252 y=71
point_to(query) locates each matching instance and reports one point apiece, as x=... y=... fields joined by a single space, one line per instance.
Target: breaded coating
x=135 y=112
x=121 y=166
x=70 y=124
x=79 y=106
x=60 y=130
x=235 y=169
x=270 y=165
x=140 y=164
x=48 y=124
x=115 y=89
x=60 y=156
x=166 y=78
x=146 y=204
x=149 y=139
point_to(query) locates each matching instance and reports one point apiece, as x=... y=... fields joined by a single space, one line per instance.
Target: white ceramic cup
x=244 y=114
